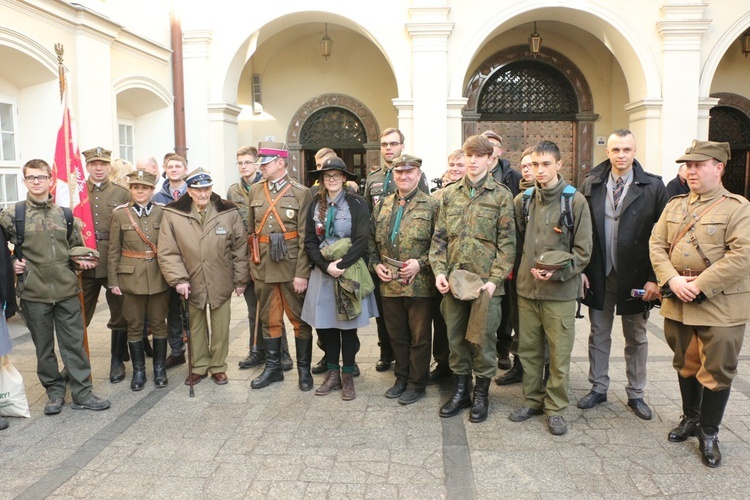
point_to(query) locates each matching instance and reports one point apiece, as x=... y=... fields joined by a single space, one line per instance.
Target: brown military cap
x=407 y=162
x=142 y=177
x=199 y=178
x=98 y=153
x=554 y=260
x=705 y=150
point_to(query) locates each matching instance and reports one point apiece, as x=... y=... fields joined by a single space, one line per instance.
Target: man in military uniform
x=278 y=213
x=475 y=233
x=402 y=227
x=134 y=274
x=380 y=184
x=700 y=250
x=48 y=289
x=239 y=194
x=104 y=196
x=203 y=255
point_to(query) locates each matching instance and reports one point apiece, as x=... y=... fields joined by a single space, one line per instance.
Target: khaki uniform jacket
x=103 y=199
x=724 y=237
x=239 y=194
x=293 y=209
x=412 y=242
x=135 y=275
x=49 y=275
x=211 y=257
x=475 y=234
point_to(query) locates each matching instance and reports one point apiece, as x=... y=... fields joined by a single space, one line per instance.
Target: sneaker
x=557 y=425
x=54 y=406
x=524 y=413
x=3 y=423
x=92 y=403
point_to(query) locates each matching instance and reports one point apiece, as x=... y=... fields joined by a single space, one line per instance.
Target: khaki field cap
x=489 y=134
x=554 y=260
x=705 y=150
x=199 y=178
x=464 y=284
x=142 y=177
x=98 y=153
x=269 y=151
x=407 y=162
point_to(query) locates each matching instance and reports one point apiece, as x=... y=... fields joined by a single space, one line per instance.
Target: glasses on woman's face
x=332 y=177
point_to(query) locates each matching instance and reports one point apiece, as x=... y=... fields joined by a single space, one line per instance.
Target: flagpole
x=59 y=50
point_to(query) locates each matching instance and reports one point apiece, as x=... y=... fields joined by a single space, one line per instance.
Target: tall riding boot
x=272 y=372
x=119 y=345
x=460 y=399
x=304 y=357
x=692 y=392
x=160 y=359
x=481 y=400
x=139 y=365
x=712 y=411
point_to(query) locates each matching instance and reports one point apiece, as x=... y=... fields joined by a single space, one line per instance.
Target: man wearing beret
x=203 y=255
x=104 y=196
x=700 y=250
x=134 y=274
x=625 y=202
x=278 y=217
x=48 y=289
x=402 y=228
x=556 y=235
x=474 y=232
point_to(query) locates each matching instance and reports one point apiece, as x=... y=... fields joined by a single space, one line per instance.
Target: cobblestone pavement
x=233 y=442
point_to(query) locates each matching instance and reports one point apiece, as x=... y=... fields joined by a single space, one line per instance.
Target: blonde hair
x=119 y=171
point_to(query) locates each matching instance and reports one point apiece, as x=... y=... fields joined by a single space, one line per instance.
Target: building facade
x=440 y=70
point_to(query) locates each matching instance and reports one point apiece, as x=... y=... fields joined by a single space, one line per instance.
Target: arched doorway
x=527 y=100
x=339 y=122
x=730 y=122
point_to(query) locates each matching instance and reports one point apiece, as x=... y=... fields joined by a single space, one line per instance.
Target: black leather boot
x=139 y=365
x=254 y=358
x=118 y=347
x=160 y=359
x=712 y=411
x=512 y=376
x=692 y=393
x=460 y=399
x=481 y=403
x=272 y=372
x=304 y=357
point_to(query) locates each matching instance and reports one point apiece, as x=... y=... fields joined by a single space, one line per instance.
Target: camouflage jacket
x=380 y=185
x=475 y=234
x=412 y=242
x=49 y=276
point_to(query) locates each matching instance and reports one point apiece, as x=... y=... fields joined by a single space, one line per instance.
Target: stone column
x=222 y=140
x=645 y=123
x=196 y=47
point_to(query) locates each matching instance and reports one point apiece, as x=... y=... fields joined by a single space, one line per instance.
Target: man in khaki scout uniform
x=134 y=274
x=700 y=250
x=474 y=232
x=402 y=228
x=278 y=214
x=203 y=255
x=104 y=196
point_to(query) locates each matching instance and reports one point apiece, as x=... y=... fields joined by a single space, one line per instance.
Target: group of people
x=492 y=264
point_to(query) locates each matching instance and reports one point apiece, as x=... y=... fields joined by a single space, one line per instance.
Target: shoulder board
x=737 y=197
x=297 y=184
x=121 y=187
x=374 y=171
x=158 y=203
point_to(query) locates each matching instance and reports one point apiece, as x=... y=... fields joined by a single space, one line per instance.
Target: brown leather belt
x=101 y=236
x=287 y=236
x=139 y=255
x=689 y=272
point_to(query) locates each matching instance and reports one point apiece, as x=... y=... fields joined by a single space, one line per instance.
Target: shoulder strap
x=68 y=213
x=20 y=227
x=525 y=200
x=272 y=207
x=693 y=223
x=139 y=232
x=566 y=210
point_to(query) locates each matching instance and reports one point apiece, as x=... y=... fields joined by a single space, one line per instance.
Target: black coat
x=641 y=208
x=7 y=279
x=507 y=175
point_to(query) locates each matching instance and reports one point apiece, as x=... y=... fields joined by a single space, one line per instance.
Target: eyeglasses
x=246 y=162
x=40 y=178
x=525 y=166
x=391 y=144
x=332 y=177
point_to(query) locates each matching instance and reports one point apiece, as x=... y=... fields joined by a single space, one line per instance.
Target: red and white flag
x=68 y=185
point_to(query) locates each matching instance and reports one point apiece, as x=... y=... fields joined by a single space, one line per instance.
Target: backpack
x=566 y=210
x=21 y=225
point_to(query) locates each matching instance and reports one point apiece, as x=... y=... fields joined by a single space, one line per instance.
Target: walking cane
x=186 y=339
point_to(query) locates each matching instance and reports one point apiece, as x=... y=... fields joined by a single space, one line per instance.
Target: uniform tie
x=617 y=191
x=397 y=221
x=330 y=216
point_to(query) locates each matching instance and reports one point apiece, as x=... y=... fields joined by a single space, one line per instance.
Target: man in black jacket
x=625 y=203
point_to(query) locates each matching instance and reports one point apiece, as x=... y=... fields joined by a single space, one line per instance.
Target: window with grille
x=126 y=141
x=334 y=128
x=527 y=90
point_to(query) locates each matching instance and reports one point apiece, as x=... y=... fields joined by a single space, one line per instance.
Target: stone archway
x=730 y=122
x=317 y=103
x=581 y=133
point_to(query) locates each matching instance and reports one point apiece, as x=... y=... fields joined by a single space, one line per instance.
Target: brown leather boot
x=347 y=382
x=330 y=384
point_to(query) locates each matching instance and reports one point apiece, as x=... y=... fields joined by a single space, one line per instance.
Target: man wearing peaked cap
x=104 y=196
x=203 y=255
x=134 y=273
x=277 y=219
x=700 y=250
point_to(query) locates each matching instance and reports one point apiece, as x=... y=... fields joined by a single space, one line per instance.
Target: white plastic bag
x=13 y=401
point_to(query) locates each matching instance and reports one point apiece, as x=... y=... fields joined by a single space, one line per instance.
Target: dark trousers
x=91 y=289
x=174 y=324
x=338 y=341
x=155 y=307
x=409 y=321
x=384 y=340
x=440 y=349
x=508 y=321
